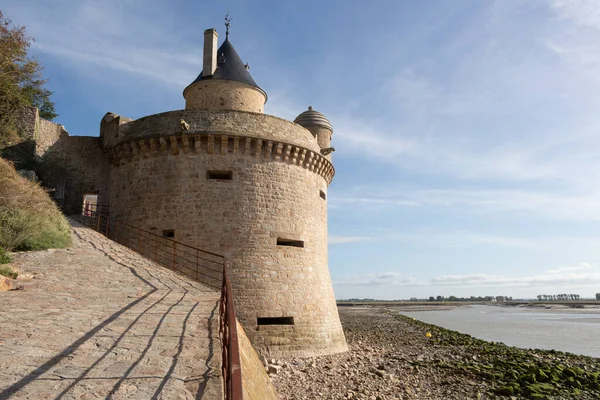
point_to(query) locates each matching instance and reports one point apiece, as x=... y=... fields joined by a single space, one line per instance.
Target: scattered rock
x=273 y=369
x=5 y=283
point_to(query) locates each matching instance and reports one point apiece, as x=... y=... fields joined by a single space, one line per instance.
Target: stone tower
x=223 y=176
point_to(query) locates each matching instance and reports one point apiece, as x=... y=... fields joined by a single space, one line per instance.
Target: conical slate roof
x=311 y=118
x=229 y=66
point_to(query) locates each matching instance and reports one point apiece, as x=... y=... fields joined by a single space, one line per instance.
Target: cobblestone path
x=100 y=322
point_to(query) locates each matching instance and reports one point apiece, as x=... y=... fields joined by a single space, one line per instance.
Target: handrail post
x=174 y=254
x=155 y=249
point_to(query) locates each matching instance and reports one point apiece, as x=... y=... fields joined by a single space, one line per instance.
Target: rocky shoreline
x=392 y=357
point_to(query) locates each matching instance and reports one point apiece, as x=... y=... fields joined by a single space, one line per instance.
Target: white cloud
x=588 y=276
x=346 y=239
x=583 y=12
x=581 y=267
x=112 y=38
x=581 y=205
x=381 y=279
x=510 y=112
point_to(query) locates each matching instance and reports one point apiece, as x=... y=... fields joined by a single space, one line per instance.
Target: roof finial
x=227 y=24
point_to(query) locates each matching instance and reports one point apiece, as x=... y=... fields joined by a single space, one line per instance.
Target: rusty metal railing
x=201 y=265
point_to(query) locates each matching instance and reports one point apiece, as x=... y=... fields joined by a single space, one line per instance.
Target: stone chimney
x=210 y=52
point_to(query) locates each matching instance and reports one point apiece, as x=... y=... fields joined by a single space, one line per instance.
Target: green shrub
x=4 y=257
x=8 y=272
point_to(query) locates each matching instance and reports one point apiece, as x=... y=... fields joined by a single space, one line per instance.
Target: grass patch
x=29 y=219
x=8 y=272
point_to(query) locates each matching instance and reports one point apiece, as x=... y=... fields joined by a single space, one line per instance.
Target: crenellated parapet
x=238 y=123
x=222 y=144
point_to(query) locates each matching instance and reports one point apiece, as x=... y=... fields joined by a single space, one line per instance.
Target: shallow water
x=565 y=330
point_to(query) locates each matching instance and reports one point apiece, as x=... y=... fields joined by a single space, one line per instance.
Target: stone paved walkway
x=101 y=322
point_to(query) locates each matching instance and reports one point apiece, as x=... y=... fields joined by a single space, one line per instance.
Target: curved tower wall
x=323 y=136
x=276 y=193
x=221 y=94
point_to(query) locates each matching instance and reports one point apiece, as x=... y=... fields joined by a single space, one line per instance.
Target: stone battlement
x=239 y=123
x=222 y=144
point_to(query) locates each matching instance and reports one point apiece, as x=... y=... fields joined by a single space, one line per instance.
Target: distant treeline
x=558 y=297
x=472 y=298
x=432 y=298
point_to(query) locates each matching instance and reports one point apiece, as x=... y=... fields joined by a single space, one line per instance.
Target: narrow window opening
x=290 y=242
x=169 y=233
x=323 y=195
x=220 y=175
x=275 y=321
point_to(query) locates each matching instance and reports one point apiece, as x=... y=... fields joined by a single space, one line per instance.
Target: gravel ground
x=390 y=357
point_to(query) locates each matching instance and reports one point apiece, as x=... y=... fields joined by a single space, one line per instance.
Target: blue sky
x=467 y=132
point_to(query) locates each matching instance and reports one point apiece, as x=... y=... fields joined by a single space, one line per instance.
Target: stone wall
x=28 y=122
x=46 y=136
x=273 y=193
x=74 y=166
x=256 y=383
x=70 y=166
x=224 y=95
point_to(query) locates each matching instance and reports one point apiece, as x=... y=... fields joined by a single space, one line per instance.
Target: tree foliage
x=21 y=82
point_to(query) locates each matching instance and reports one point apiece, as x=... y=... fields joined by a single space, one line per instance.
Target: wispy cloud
x=108 y=39
x=583 y=275
x=346 y=239
x=581 y=205
x=512 y=112
x=587 y=275
x=381 y=279
x=581 y=267
x=583 y=12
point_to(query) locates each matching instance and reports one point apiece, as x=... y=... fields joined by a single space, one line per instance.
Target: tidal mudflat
x=392 y=357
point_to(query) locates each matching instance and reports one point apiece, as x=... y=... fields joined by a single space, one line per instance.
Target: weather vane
x=227 y=24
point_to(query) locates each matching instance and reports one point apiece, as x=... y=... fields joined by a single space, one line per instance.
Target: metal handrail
x=168 y=253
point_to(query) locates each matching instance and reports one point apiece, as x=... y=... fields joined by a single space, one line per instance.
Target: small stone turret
x=320 y=127
x=225 y=82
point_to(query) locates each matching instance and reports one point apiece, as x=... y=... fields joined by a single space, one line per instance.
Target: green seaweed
x=511 y=371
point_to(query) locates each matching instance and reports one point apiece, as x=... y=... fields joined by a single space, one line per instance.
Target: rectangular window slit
x=169 y=233
x=290 y=242
x=323 y=195
x=220 y=175
x=275 y=321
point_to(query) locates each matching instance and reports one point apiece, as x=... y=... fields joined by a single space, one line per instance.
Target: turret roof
x=312 y=117
x=229 y=66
